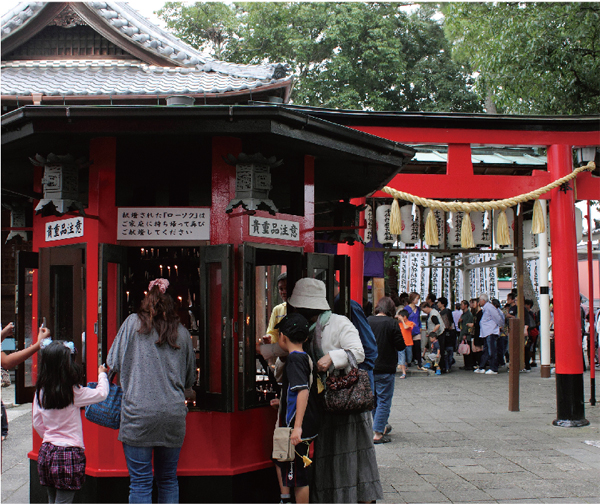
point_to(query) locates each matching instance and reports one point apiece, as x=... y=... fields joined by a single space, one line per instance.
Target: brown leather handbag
x=350 y=392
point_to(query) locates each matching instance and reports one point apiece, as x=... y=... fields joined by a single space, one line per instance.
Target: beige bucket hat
x=309 y=293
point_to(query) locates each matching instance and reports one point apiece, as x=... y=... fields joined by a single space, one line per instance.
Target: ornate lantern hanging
x=252 y=182
x=61 y=184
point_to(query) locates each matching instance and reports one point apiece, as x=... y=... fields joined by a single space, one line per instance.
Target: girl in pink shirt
x=57 y=418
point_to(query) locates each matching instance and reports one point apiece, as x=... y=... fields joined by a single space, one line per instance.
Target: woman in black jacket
x=389 y=343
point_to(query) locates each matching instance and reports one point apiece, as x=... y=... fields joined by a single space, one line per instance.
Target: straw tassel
x=502 y=233
x=538 y=225
x=466 y=232
x=395 y=218
x=431 y=230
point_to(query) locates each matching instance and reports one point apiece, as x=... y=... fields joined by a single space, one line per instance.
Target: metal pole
x=466 y=278
x=544 y=299
x=592 y=343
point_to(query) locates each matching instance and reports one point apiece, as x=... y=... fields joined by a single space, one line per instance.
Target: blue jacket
x=367 y=338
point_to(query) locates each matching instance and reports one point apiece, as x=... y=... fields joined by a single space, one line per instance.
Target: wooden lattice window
x=77 y=42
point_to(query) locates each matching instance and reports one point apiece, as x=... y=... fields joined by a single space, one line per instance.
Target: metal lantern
x=17 y=222
x=252 y=182
x=61 y=184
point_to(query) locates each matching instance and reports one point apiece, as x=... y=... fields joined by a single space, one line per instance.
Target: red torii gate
x=460 y=182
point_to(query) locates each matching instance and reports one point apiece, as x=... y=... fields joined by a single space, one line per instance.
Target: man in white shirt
x=489 y=331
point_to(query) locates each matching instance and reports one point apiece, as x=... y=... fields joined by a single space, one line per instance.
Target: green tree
x=370 y=56
x=541 y=58
x=207 y=25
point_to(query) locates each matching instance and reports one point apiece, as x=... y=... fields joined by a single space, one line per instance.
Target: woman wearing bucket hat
x=345 y=466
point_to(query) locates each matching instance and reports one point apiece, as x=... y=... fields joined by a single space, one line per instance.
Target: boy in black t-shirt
x=295 y=408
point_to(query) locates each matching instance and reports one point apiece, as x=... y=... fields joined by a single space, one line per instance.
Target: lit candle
x=180 y=298
x=142 y=252
x=145 y=293
x=161 y=270
x=176 y=270
x=169 y=270
x=127 y=296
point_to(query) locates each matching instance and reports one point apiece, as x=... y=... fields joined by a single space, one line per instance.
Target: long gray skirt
x=344 y=462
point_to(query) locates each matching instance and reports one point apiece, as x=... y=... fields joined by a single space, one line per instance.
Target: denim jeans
x=449 y=357
x=384 y=392
x=139 y=464
x=405 y=356
x=502 y=349
x=489 y=353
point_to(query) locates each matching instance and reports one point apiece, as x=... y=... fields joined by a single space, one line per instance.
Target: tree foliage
x=539 y=58
x=207 y=26
x=370 y=56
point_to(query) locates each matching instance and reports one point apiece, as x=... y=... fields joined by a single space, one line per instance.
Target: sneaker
x=489 y=371
x=525 y=370
x=480 y=371
x=438 y=372
x=427 y=365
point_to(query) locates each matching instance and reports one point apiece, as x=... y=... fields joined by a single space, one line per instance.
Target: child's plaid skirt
x=61 y=467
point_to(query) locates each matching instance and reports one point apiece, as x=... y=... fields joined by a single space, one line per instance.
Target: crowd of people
x=307 y=343
x=477 y=329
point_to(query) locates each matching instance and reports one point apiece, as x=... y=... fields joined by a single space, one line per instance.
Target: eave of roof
x=387 y=151
x=454 y=120
x=60 y=78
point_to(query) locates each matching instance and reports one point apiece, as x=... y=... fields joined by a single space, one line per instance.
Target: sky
x=147 y=7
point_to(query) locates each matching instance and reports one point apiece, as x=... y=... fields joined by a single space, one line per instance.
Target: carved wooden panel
x=73 y=42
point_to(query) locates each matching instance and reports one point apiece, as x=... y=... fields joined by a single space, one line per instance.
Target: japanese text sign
x=64 y=229
x=163 y=223
x=262 y=227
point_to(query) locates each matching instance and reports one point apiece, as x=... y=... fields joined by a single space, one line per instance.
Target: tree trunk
x=490 y=106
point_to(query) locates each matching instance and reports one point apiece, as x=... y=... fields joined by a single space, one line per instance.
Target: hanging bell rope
x=466 y=233
x=431 y=230
x=538 y=223
x=395 y=218
x=502 y=234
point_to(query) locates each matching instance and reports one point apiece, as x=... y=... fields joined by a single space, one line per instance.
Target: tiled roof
x=115 y=77
x=130 y=24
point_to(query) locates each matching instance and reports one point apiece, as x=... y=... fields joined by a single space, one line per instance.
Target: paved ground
x=454 y=440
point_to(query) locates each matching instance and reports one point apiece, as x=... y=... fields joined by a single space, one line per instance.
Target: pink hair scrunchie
x=161 y=283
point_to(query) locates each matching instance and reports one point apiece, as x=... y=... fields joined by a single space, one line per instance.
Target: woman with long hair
x=59 y=396
x=155 y=360
x=345 y=464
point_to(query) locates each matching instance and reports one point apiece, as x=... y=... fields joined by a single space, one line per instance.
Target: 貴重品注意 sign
x=64 y=229
x=263 y=227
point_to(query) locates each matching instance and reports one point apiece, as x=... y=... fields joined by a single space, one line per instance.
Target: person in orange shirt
x=405 y=356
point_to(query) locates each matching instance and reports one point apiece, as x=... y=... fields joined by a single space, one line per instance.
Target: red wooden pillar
x=567 y=318
x=356 y=253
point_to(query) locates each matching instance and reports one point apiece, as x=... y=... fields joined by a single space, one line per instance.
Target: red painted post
x=567 y=325
x=356 y=253
x=592 y=352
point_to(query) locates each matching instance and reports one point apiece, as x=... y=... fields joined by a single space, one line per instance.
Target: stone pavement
x=15 y=464
x=453 y=440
